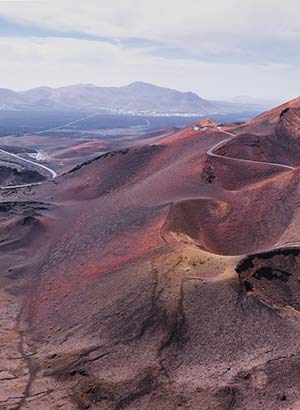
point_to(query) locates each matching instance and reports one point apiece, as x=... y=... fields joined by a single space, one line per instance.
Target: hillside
x=161 y=276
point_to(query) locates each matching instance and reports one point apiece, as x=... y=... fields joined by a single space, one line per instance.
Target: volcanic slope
x=163 y=276
x=272 y=136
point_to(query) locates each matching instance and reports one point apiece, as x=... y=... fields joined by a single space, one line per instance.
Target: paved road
x=51 y=171
x=211 y=152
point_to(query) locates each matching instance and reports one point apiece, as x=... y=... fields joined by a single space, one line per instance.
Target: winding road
x=211 y=152
x=44 y=167
x=51 y=171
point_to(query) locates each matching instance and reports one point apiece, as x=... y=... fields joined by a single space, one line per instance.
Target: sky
x=217 y=48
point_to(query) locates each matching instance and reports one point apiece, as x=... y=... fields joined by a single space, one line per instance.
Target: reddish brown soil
x=157 y=277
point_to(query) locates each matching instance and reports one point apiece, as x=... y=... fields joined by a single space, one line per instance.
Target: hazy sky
x=217 y=48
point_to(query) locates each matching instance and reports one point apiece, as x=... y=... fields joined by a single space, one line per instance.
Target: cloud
x=61 y=61
x=199 y=27
x=215 y=48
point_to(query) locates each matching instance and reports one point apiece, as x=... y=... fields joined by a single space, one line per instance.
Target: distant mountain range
x=136 y=98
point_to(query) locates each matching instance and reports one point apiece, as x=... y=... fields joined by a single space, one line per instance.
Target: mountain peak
x=138 y=96
x=142 y=84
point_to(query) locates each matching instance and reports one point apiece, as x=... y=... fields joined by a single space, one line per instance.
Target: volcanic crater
x=162 y=276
